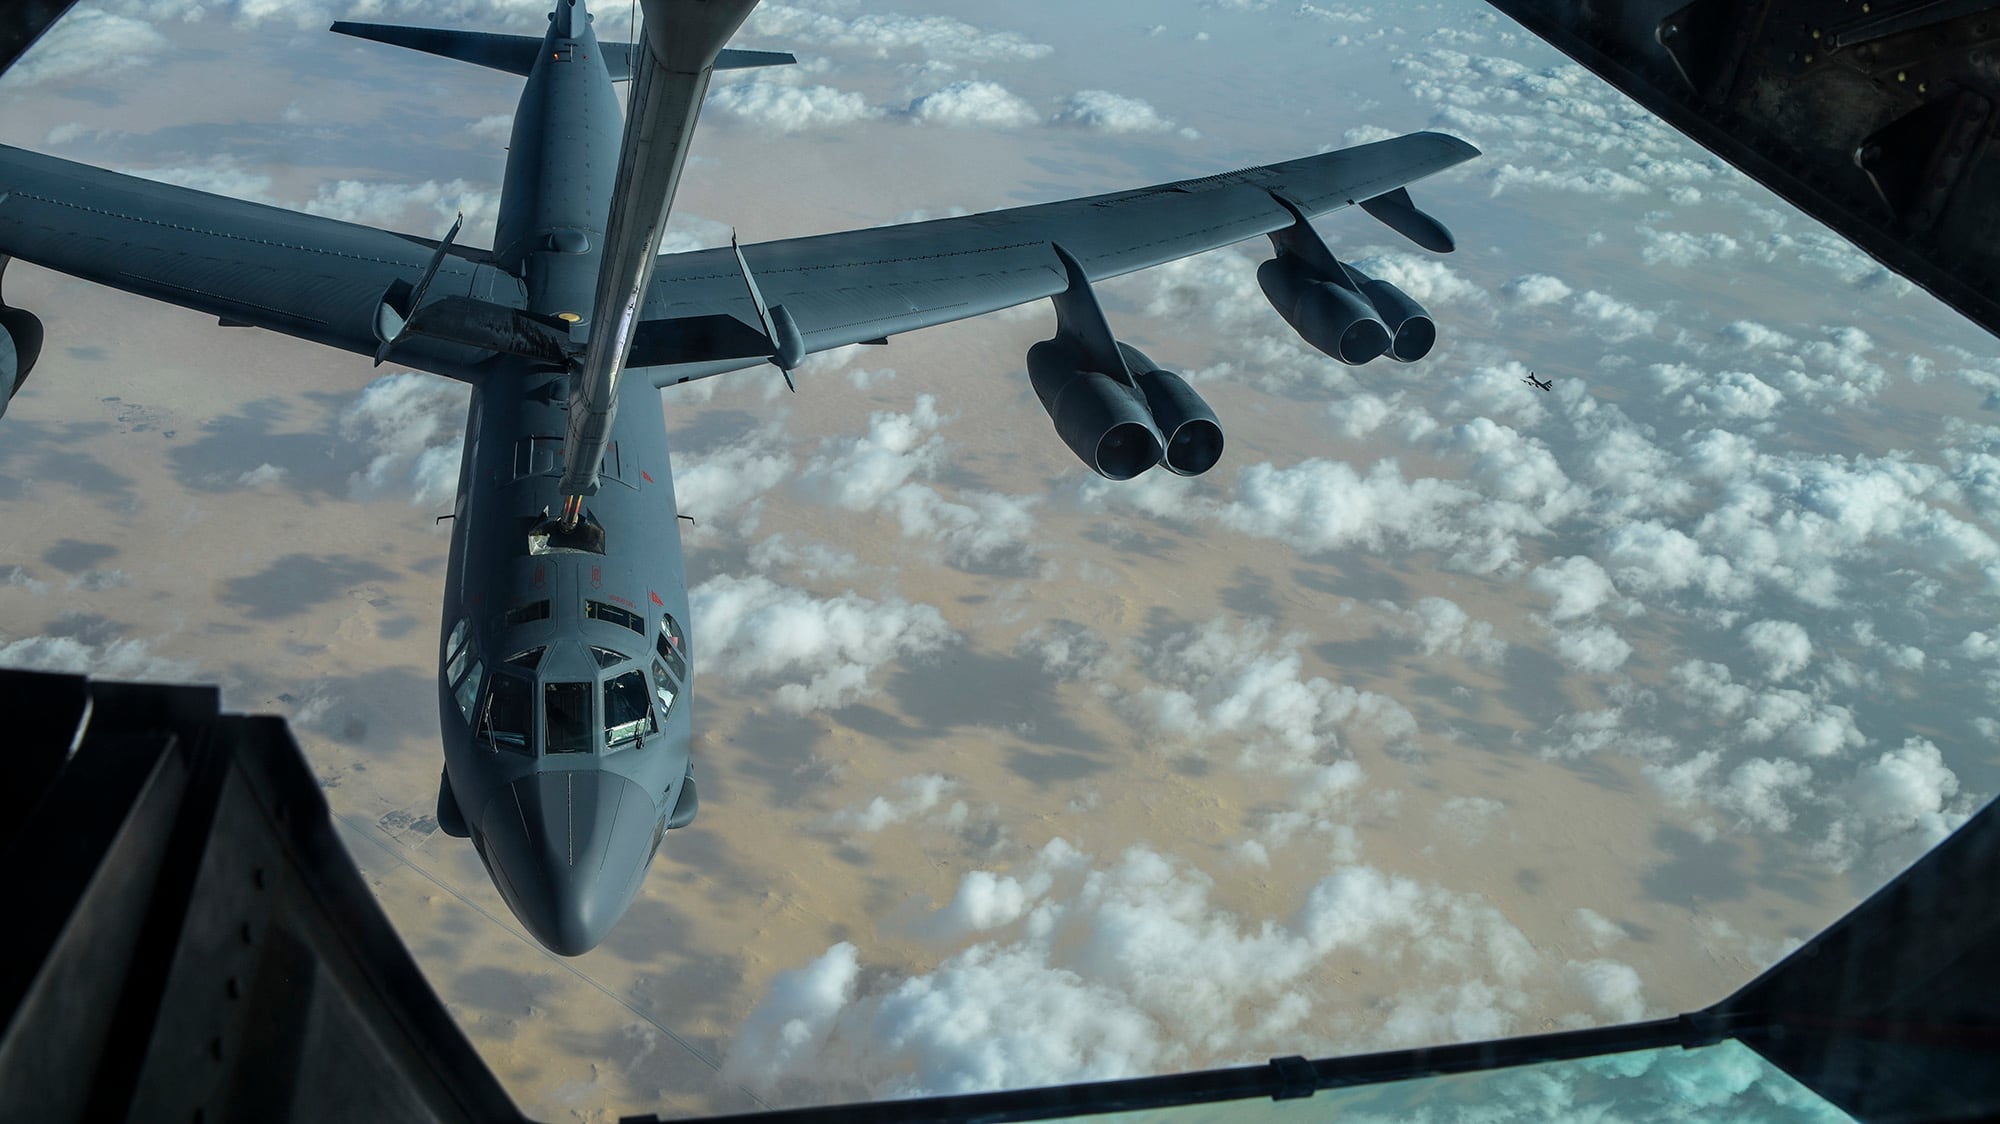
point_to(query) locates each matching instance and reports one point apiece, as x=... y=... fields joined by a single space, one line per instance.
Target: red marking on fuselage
x=597 y=577
x=622 y=601
x=656 y=599
x=646 y=475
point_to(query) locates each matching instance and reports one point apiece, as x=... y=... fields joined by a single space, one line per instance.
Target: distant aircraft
x=564 y=660
x=1539 y=384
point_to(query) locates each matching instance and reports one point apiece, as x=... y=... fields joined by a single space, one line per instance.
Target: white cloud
x=916 y=795
x=786 y=108
x=412 y=427
x=1105 y=112
x=1234 y=685
x=1601 y=931
x=882 y=34
x=1084 y=974
x=1441 y=627
x=1593 y=648
x=427 y=208
x=973 y=103
x=751 y=628
x=1617 y=320
x=1782 y=645
x=131 y=658
x=1536 y=289
x=725 y=487
x=1575 y=586
x=1613 y=989
x=789 y=1026
x=88 y=42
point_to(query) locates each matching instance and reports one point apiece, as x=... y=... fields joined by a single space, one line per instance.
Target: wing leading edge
x=323 y=280
x=862 y=285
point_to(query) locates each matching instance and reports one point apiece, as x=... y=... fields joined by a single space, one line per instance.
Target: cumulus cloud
x=88 y=42
x=1236 y=683
x=783 y=107
x=938 y=37
x=1593 y=648
x=751 y=628
x=1536 y=289
x=1575 y=586
x=1783 y=647
x=882 y=470
x=974 y=103
x=725 y=487
x=426 y=207
x=1441 y=627
x=1083 y=974
x=412 y=428
x=1105 y=112
x=113 y=658
x=1616 y=319
x=915 y=796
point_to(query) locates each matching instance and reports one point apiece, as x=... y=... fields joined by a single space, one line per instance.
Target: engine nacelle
x=1327 y=315
x=1101 y=419
x=1411 y=329
x=1193 y=433
x=20 y=346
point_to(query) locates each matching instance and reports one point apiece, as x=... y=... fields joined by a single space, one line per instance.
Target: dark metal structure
x=1874 y=116
x=191 y=942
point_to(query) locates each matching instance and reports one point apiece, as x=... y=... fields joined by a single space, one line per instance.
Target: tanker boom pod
x=1193 y=433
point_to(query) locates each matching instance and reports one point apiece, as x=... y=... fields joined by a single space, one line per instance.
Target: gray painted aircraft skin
x=564 y=667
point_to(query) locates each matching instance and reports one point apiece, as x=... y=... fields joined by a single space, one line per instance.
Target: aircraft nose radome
x=570 y=847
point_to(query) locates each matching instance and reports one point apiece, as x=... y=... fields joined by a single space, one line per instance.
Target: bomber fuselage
x=563 y=671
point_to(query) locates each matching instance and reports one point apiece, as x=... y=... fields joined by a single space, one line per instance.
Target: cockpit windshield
x=673 y=646
x=508 y=717
x=566 y=718
x=627 y=712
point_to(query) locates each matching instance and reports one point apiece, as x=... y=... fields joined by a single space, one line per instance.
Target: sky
x=1441 y=709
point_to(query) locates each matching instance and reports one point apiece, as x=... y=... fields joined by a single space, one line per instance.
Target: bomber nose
x=569 y=848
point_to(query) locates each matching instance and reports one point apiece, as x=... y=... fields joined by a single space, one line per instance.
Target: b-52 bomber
x=1543 y=385
x=565 y=660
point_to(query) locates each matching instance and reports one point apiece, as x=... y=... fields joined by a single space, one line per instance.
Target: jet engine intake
x=1411 y=329
x=1326 y=314
x=1193 y=433
x=1102 y=420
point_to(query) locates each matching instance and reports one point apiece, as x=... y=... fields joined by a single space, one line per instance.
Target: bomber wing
x=304 y=275
x=863 y=285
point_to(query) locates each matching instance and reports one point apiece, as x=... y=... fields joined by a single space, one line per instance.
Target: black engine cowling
x=20 y=346
x=1101 y=419
x=1411 y=329
x=1329 y=316
x=1193 y=432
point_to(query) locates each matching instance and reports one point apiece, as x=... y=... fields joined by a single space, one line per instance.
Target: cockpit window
x=508 y=716
x=599 y=611
x=468 y=689
x=673 y=646
x=663 y=687
x=458 y=654
x=607 y=658
x=566 y=718
x=626 y=711
x=453 y=649
x=527 y=659
x=532 y=611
